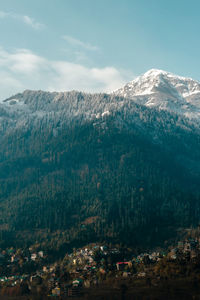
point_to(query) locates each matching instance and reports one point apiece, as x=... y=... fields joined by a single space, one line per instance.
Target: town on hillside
x=29 y=272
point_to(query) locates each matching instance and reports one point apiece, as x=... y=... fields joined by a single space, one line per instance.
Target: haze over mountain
x=80 y=167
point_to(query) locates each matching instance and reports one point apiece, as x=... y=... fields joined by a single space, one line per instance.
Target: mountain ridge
x=164 y=90
x=155 y=89
x=62 y=155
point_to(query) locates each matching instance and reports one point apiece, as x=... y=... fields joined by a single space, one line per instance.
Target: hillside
x=78 y=168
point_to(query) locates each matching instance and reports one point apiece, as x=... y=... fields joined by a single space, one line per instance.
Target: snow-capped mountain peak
x=164 y=90
x=155 y=89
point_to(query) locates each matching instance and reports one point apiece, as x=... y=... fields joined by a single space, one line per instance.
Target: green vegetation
x=129 y=178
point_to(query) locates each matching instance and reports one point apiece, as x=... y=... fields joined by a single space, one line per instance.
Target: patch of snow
x=164 y=90
x=105 y=113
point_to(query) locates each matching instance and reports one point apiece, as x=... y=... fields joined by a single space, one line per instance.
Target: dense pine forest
x=129 y=177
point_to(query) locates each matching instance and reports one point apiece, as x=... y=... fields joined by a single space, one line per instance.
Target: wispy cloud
x=23 y=18
x=22 y=69
x=77 y=43
x=31 y=22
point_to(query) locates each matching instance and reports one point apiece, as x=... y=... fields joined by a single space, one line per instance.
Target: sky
x=94 y=45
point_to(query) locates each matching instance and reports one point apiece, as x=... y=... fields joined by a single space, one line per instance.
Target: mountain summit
x=165 y=91
x=77 y=168
x=155 y=89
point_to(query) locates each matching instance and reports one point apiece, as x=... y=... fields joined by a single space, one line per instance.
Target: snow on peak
x=158 y=72
x=164 y=90
x=154 y=72
x=146 y=83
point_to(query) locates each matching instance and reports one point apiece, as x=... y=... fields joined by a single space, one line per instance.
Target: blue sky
x=94 y=45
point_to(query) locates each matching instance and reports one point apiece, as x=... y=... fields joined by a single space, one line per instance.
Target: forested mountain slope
x=96 y=167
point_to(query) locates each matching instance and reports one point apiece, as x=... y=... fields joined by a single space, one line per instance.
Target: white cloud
x=8 y=84
x=75 y=76
x=25 y=19
x=25 y=62
x=22 y=69
x=31 y=22
x=77 y=43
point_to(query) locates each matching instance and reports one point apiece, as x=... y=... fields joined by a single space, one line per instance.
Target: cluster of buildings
x=17 y=264
x=188 y=249
x=15 y=255
x=82 y=268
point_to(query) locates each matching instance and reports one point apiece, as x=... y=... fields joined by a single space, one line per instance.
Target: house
x=87 y=283
x=102 y=271
x=41 y=254
x=45 y=269
x=141 y=274
x=193 y=254
x=36 y=279
x=77 y=282
x=181 y=245
x=125 y=274
x=121 y=265
x=33 y=256
x=56 y=292
x=14 y=258
x=51 y=283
